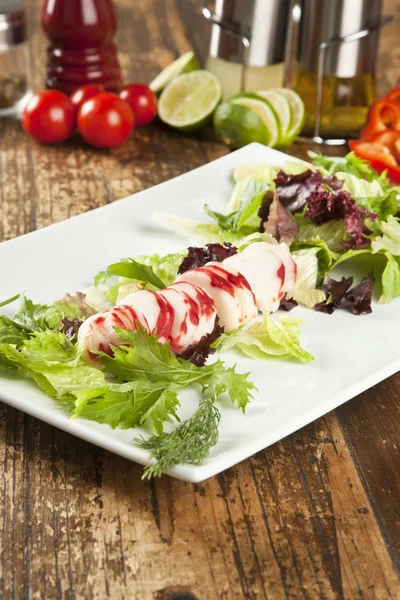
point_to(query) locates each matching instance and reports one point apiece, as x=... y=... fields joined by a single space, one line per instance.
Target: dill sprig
x=190 y=442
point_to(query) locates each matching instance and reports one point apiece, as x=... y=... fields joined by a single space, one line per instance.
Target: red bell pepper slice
x=394 y=95
x=381 y=152
x=384 y=115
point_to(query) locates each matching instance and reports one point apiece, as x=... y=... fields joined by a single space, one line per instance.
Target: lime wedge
x=265 y=111
x=237 y=125
x=188 y=101
x=297 y=109
x=282 y=108
x=184 y=64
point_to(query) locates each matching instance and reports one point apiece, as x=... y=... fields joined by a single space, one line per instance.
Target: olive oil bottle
x=333 y=46
x=344 y=106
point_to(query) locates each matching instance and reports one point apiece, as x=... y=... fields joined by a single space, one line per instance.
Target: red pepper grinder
x=81 y=47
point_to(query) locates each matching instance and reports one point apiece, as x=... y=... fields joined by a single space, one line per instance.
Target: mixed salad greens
x=337 y=211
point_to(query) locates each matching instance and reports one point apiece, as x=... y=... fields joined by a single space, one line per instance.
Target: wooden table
x=314 y=516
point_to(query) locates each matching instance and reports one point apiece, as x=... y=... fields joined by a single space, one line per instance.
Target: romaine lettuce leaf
x=332 y=233
x=384 y=262
x=208 y=232
x=268 y=338
x=390 y=238
x=390 y=279
x=38 y=317
x=374 y=195
x=309 y=274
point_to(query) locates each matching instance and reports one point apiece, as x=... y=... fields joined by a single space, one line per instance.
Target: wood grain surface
x=314 y=516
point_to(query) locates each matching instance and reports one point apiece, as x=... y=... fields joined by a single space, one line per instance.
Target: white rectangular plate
x=351 y=353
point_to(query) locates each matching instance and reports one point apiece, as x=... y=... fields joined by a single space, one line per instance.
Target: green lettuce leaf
x=390 y=238
x=309 y=274
x=165 y=267
x=129 y=404
x=245 y=201
x=268 y=339
x=131 y=269
x=390 y=279
x=154 y=270
x=351 y=164
x=10 y=300
x=247 y=196
x=332 y=233
x=374 y=195
x=12 y=332
x=244 y=171
x=207 y=232
x=145 y=358
x=382 y=262
x=38 y=317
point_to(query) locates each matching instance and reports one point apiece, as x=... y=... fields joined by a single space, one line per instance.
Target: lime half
x=188 y=102
x=236 y=125
x=282 y=108
x=264 y=110
x=297 y=109
x=184 y=64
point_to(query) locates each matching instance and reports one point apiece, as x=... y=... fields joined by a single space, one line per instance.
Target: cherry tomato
x=105 y=120
x=49 y=117
x=83 y=93
x=142 y=101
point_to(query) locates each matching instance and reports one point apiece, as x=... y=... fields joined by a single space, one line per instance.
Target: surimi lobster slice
x=223 y=293
x=265 y=273
x=155 y=313
x=282 y=251
x=98 y=332
x=186 y=318
x=206 y=306
x=242 y=289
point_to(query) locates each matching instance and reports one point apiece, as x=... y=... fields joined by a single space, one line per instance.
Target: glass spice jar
x=14 y=59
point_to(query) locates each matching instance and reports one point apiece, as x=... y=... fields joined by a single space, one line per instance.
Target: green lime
x=297 y=109
x=188 y=101
x=236 y=125
x=264 y=110
x=184 y=64
x=282 y=108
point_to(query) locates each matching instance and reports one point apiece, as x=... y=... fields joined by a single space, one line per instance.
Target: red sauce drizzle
x=193 y=310
x=104 y=347
x=235 y=278
x=118 y=322
x=204 y=300
x=218 y=281
x=281 y=274
x=165 y=319
x=207 y=304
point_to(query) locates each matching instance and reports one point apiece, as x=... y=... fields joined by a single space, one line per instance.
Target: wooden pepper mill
x=81 y=47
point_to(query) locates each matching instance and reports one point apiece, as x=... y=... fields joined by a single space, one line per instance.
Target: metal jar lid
x=258 y=25
x=12 y=24
x=324 y=21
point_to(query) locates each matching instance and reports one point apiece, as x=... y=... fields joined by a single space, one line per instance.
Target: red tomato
x=83 y=93
x=49 y=117
x=142 y=101
x=105 y=120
